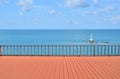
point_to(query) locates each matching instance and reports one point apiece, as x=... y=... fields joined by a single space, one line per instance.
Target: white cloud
x=54 y=12
x=0 y=2
x=4 y=2
x=36 y=21
x=26 y=5
x=73 y=22
x=95 y=12
x=21 y=13
x=108 y=9
x=76 y=3
x=117 y=18
x=113 y=20
x=51 y=11
x=103 y=10
x=96 y=2
x=76 y=23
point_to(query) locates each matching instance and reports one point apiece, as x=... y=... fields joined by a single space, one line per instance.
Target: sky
x=59 y=14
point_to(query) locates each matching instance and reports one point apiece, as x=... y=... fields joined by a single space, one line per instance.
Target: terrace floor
x=44 y=67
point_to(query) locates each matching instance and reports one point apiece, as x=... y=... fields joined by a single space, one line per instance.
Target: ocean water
x=8 y=37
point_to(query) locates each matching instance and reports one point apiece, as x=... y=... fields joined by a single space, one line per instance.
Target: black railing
x=60 y=50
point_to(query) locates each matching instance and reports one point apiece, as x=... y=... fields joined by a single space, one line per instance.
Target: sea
x=58 y=37
x=8 y=37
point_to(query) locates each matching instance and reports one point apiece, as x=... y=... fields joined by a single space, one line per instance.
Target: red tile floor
x=45 y=67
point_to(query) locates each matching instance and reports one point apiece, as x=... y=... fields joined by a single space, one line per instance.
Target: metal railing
x=60 y=50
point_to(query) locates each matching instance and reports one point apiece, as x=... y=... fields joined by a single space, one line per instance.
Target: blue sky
x=59 y=14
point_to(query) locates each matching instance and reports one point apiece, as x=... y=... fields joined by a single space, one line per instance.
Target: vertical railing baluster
x=87 y=49
x=98 y=51
x=101 y=51
x=24 y=50
x=28 y=50
x=31 y=50
x=73 y=50
x=94 y=51
x=59 y=50
x=48 y=49
x=1 y=50
x=104 y=50
x=44 y=49
x=70 y=50
x=34 y=50
x=52 y=49
x=40 y=50
x=56 y=50
x=111 y=50
x=17 y=49
x=11 y=49
x=90 y=50
x=115 y=50
x=118 y=49
x=37 y=48
x=62 y=50
x=66 y=50
x=108 y=50
x=83 y=50
x=76 y=50
x=20 y=49
x=80 y=50
x=6 y=50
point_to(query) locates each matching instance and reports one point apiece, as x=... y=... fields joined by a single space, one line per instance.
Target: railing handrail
x=56 y=44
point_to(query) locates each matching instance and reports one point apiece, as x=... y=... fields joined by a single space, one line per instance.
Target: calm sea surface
x=56 y=36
